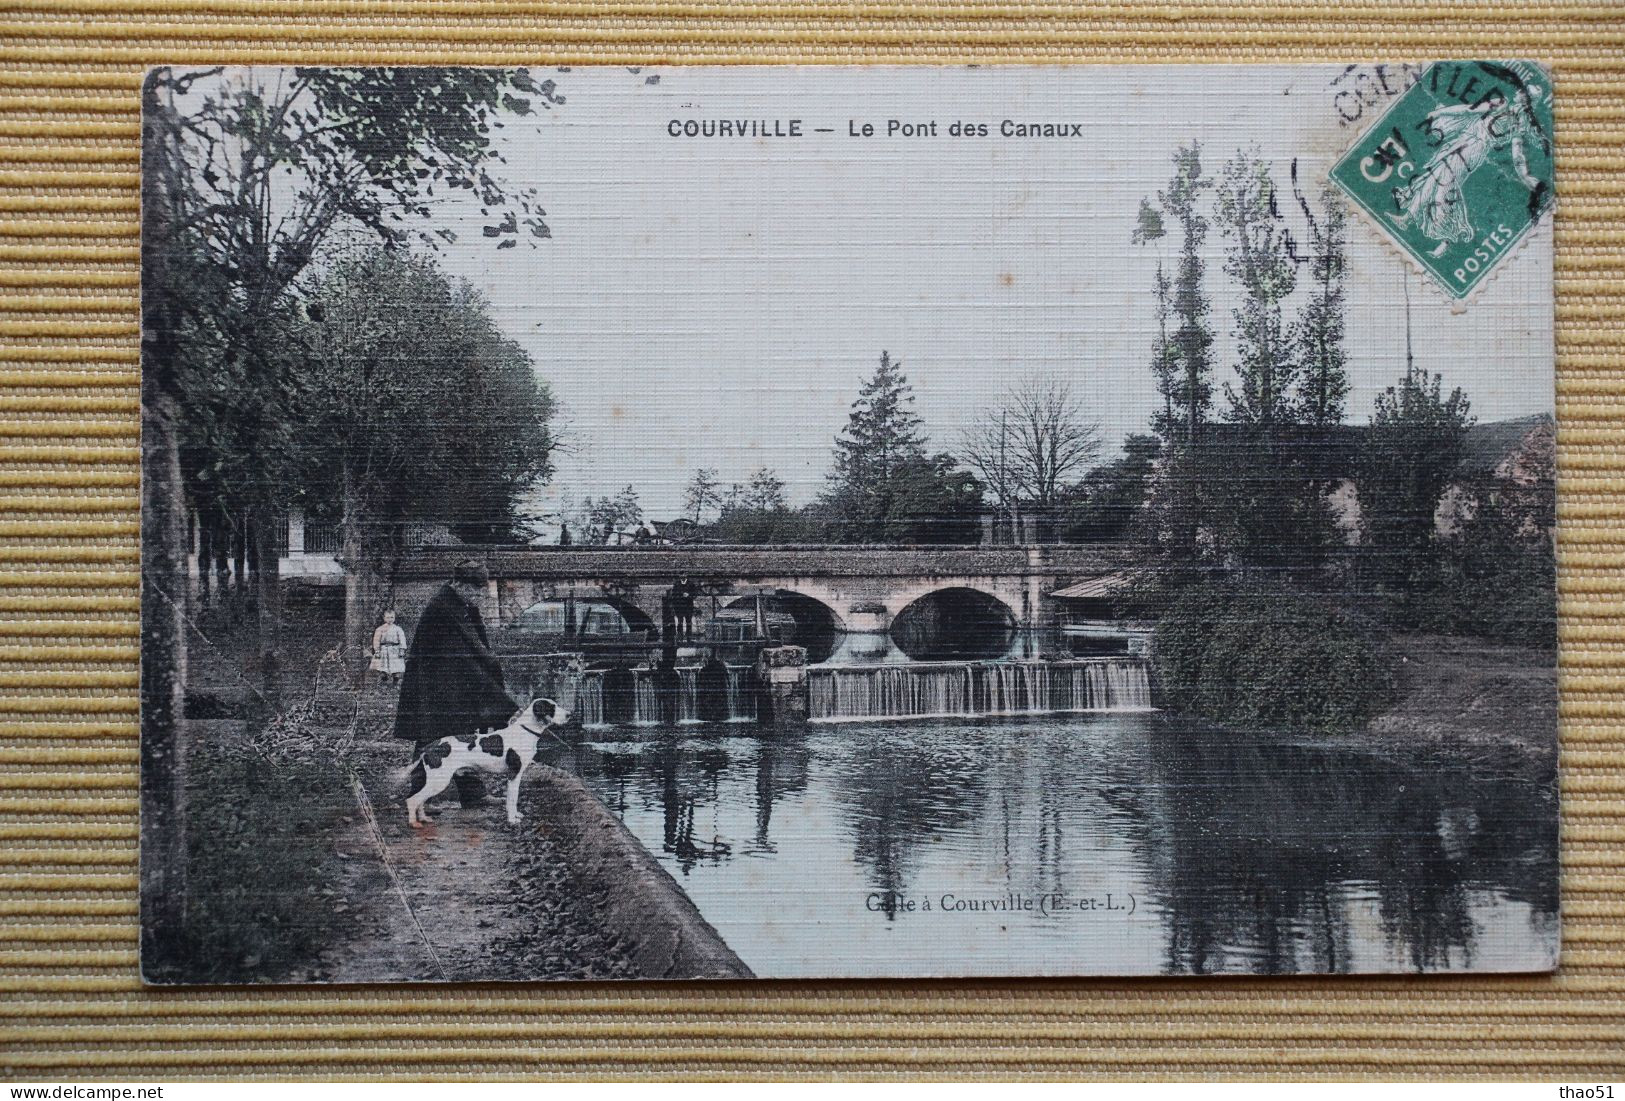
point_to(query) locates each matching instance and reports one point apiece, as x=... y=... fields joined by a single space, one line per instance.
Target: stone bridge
x=862 y=588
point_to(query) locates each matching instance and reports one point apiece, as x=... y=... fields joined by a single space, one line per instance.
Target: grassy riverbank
x=1468 y=692
x=295 y=876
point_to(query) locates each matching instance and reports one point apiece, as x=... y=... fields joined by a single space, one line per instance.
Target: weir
x=731 y=699
x=850 y=693
x=967 y=688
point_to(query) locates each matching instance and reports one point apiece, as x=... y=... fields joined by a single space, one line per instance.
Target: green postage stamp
x=1459 y=169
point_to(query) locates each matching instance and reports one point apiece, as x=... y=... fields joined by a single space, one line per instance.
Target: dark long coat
x=453 y=682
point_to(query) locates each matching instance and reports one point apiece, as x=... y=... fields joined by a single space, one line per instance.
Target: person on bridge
x=683 y=595
x=453 y=683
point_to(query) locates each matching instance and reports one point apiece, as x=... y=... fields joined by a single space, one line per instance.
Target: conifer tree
x=881 y=444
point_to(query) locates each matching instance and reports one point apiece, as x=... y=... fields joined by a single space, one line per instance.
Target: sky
x=718 y=301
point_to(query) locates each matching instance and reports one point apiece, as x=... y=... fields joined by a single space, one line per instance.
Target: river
x=1124 y=842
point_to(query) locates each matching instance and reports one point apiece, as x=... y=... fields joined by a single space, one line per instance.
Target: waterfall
x=741 y=695
x=889 y=691
x=960 y=688
x=587 y=690
x=589 y=696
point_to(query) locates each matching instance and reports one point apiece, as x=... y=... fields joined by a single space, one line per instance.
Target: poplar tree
x=1324 y=387
x=1164 y=359
x=1261 y=262
x=1192 y=337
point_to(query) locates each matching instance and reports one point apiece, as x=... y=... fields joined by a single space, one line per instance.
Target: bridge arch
x=955 y=621
x=802 y=618
x=593 y=613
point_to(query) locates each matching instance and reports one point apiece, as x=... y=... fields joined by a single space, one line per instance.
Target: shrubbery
x=260 y=867
x=1270 y=657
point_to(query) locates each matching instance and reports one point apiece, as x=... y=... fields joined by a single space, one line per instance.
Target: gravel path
x=470 y=898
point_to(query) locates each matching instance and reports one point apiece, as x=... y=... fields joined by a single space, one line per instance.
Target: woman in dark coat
x=453 y=681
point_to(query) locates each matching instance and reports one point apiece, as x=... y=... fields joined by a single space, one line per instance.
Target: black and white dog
x=509 y=750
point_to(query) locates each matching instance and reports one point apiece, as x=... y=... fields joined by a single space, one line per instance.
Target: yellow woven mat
x=70 y=1002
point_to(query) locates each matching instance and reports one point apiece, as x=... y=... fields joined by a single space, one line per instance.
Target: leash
x=548 y=730
x=363 y=802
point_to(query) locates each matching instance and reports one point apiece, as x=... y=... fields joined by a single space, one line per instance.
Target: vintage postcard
x=609 y=523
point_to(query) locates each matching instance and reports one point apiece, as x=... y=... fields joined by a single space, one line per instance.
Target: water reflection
x=816 y=854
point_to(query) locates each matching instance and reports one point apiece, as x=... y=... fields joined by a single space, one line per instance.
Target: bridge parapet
x=755 y=561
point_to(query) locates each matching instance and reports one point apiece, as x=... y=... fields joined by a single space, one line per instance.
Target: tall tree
x=253 y=171
x=881 y=439
x=245 y=175
x=1150 y=227
x=1177 y=500
x=1261 y=262
x=390 y=342
x=1324 y=387
x=1192 y=338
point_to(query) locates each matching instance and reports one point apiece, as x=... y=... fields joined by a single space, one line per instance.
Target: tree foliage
x=248 y=177
x=703 y=494
x=1324 y=386
x=257 y=172
x=1106 y=504
x=884 y=487
x=601 y=519
x=1267 y=656
x=1410 y=455
x=1262 y=264
x=406 y=393
x=1192 y=339
x=1499 y=574
x=1033 y=445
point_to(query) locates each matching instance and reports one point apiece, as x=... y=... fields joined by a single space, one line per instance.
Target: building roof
x=1487 y=446
x=1095 y=588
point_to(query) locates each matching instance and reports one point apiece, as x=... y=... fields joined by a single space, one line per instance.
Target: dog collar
x=528 y=730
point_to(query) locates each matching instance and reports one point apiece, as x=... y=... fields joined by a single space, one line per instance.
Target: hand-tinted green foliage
x=404 y=395
x=249 y=175
x=1268 y=656
x=1264 y=268
x=1409 y=459
x=261 y=868
x=1192 y=338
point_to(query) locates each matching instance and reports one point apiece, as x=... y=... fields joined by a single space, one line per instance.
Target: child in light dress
x=389 y=651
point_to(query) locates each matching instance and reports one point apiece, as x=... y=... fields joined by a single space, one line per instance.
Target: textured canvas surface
x=69 y=76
